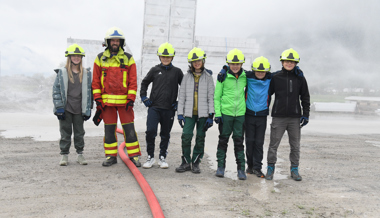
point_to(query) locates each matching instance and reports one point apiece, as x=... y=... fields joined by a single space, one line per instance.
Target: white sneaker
x=149 y=162
x=162 y=163
x=64 y=160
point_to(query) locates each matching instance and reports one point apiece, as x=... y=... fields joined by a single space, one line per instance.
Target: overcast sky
x=34 y=33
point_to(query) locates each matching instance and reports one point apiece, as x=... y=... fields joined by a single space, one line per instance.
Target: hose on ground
x=148 y=192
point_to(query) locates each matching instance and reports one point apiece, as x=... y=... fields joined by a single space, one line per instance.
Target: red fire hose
x=149 y=194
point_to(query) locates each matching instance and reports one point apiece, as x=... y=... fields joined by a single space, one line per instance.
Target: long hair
x=193 y=69
x=70 y=72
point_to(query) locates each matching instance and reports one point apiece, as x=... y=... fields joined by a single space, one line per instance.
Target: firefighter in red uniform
x=114 y=88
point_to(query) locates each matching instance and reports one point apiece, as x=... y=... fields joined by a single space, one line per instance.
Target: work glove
x=181 y=120
x=100 y=105
x=147 y=102
x=218 y=120
x=304 y=121
x=298 y=72
x=98 y=117
x=209 y=122
x=209 y=71
x=130 y=104
x=60 y=113
x=85 y=118
x=174 y=106
x=223 y=73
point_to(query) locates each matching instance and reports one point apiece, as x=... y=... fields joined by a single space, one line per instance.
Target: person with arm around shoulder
x=72 y=99
x=161 y=104
x=290 y=111
x=195 y=108
x=258 y=101
x=230 y=107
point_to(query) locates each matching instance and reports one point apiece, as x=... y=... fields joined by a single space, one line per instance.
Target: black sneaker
x=270 y=172
x=258 y=173
x=195 y=168
x=183 y=168
x=135 y=161
x=249 y=170
x=109 y=161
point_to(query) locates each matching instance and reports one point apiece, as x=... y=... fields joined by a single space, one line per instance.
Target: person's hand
x=100 y=105
x=208 y=124
x=85 y=118
x=130 y=104
x=304 y=121
x=298 y=71
x=147 y=102
x=223 y=74
x=218 y=120
x=174 y=106
x=181 y=120
x=60 y=113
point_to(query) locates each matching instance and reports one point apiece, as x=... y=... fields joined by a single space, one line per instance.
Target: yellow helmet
x=261 y=64
x=196 y=54
x=166 y=49
x=290 y=55
x=114 y=33
x=74 y=49
x=235 y=56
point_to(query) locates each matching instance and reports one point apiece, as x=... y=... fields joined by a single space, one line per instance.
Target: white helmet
x=114 y=33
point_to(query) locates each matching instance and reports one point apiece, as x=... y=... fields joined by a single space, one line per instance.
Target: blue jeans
x=165 y=118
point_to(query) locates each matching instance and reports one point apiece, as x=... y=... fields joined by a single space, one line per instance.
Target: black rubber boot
x=185 y=166
x=109 y=161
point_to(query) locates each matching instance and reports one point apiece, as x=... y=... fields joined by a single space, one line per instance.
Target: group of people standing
x=239 y=102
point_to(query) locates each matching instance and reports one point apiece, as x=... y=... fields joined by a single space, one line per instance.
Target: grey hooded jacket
x=206 y=90
x=60 y=91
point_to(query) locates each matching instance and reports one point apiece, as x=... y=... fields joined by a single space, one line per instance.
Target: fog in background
x=337 y=40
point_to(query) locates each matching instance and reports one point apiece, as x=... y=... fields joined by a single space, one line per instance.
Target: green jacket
x=229 y=96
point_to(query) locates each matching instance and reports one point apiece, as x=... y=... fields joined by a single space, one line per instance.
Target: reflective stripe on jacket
x=115 y=78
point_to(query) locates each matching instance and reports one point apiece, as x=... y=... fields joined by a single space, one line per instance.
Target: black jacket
x=166 y=80
x=289 y=89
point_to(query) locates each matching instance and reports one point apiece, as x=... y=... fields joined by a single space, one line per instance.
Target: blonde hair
x=70 y=72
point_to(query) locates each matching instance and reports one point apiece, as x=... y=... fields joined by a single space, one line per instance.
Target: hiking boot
x=185 y=166
x=220 y=172
x=64 y=160
x=162 y=163
x=149 y=162
x=195 y=168
x=249 y=170
x=109 y=161
x=294 y=173
x=241 y=175
x=270 y=172
x=81 y=160
x=258 y=173
x=135 y=161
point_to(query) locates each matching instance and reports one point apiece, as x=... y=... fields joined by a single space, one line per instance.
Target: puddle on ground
x=374 y=143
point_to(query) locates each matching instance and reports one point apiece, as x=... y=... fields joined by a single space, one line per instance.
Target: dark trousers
x=230 y=125
x=165 y=118
x=66 y=126
x=187 y=135
x=254 y=140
